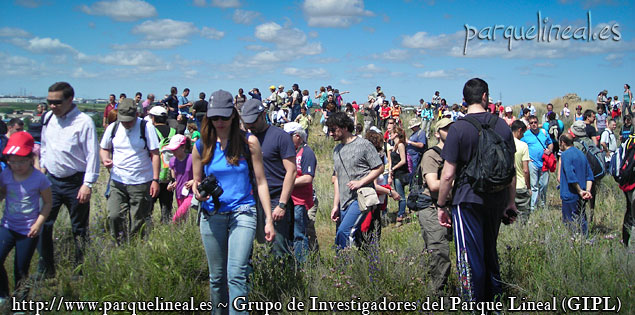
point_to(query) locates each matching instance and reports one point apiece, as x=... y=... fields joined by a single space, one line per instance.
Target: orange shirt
x=395 y=112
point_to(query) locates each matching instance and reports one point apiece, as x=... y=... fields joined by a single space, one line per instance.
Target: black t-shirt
x=163 y=129
x=590 y=131
x=460 y=145
x=200 y=107
x=276 y=146
x=173 y=103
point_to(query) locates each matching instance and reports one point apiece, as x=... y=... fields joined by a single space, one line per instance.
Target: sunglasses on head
x=223 y=118
x=54 y=102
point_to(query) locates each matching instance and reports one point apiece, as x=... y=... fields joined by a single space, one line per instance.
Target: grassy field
x=539 y=260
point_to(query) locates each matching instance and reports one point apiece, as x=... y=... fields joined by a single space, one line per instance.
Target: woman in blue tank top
x=228 y=223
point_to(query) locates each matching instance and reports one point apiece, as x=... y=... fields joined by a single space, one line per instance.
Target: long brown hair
x=235 y=146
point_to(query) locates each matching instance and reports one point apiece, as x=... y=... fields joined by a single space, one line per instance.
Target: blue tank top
x=234 y=180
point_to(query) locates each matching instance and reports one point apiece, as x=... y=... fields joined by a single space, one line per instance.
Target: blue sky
x=410 y=48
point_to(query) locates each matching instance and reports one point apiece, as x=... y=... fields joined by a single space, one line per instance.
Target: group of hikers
x=246 y=164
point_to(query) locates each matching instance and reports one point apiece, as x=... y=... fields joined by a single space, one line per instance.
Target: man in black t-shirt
x=278 y=158
x=589 y=120
x=199 y=109
x=477 y=216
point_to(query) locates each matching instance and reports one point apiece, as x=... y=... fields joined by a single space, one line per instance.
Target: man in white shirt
x=134 y=163
x=69 y=156
x=608 y=141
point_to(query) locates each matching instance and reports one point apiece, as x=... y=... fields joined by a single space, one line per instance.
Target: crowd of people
x=246 y=163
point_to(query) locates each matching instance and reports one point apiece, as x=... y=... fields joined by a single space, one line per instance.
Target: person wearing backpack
x=554 y=128
x=594 y=156
x=159 y=116
x=608 y=141
x=436 y=237
x=576 y=180
x=479 y=202
x=539 y=143
x=135 y=165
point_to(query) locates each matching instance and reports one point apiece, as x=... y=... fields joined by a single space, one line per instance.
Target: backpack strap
x=143 y=133
x=46 y=119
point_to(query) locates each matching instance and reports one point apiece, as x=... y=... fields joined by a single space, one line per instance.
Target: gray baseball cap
x=251 y=110
x=126 y=110
x=221 y=103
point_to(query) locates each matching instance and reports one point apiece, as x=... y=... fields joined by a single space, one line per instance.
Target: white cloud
x=121 y=10
x=313 y=34
x=282 y=36
x=245 y=16
x=255 y=47
x=320 y=73
x=326 y=60
x=424 y=40
x=444 y=74
x=200 y=3
x=345 y=82
x=418 y=65
x=334 y=13
x=211 y=33
x=13 y=32
x=80 y=73
x=45 y=45
x=393 y=55
x=226 y=3
x=20 y=66
x=29 y=3
x=165 y=28
x=371 y=67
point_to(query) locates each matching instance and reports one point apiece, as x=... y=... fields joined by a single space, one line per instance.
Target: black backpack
x=594 y=155
x=491 y=167
x=416 y=199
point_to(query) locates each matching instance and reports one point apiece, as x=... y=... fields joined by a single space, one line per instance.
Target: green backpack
x=164 y=174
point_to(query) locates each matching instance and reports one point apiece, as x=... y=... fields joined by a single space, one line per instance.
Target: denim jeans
x=24 y=249
x=574 y=215
x=228 y=239
x=300 y=239
x=349 y=226
x=283 y=242
x=399 y=187
x=539 y=181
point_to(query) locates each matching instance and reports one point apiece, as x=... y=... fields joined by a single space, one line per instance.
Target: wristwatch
x=89 y=185
x=155 y=180
x=282 y=205
x=439 y=206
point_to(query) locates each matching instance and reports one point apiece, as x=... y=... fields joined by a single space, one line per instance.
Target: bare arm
x=433 y=182
x=335 y=212
x=303 y=180
x=197 y=172
x=47 y=201
x=261 y=182
x=526 y=174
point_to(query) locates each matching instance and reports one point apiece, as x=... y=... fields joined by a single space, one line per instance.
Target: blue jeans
x=24 y=249
x=539 y=181
x=573 y=214
x=300 y=239
x=399 y=187
x=283 y=241
x=349 y=226
x=228 y=239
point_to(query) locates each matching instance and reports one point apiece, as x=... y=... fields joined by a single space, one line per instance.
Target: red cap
x=20 y=144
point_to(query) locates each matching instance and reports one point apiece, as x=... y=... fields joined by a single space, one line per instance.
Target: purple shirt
x=22 y=205
x=182 y=172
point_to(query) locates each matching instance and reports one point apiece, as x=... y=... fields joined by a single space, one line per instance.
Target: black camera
x=209 y=187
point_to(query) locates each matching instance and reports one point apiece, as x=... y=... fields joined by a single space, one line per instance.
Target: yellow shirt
x=522 y=154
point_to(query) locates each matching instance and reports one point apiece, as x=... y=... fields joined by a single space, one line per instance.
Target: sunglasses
x=223 y=118
x=533 y=122
x=54 y=102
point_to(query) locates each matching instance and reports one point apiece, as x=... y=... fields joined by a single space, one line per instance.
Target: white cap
x=508 y=109
x=158 y=111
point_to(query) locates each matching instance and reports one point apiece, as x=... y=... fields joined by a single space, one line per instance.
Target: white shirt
x=608 y=137
x=132 y=164
x=69 y=145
